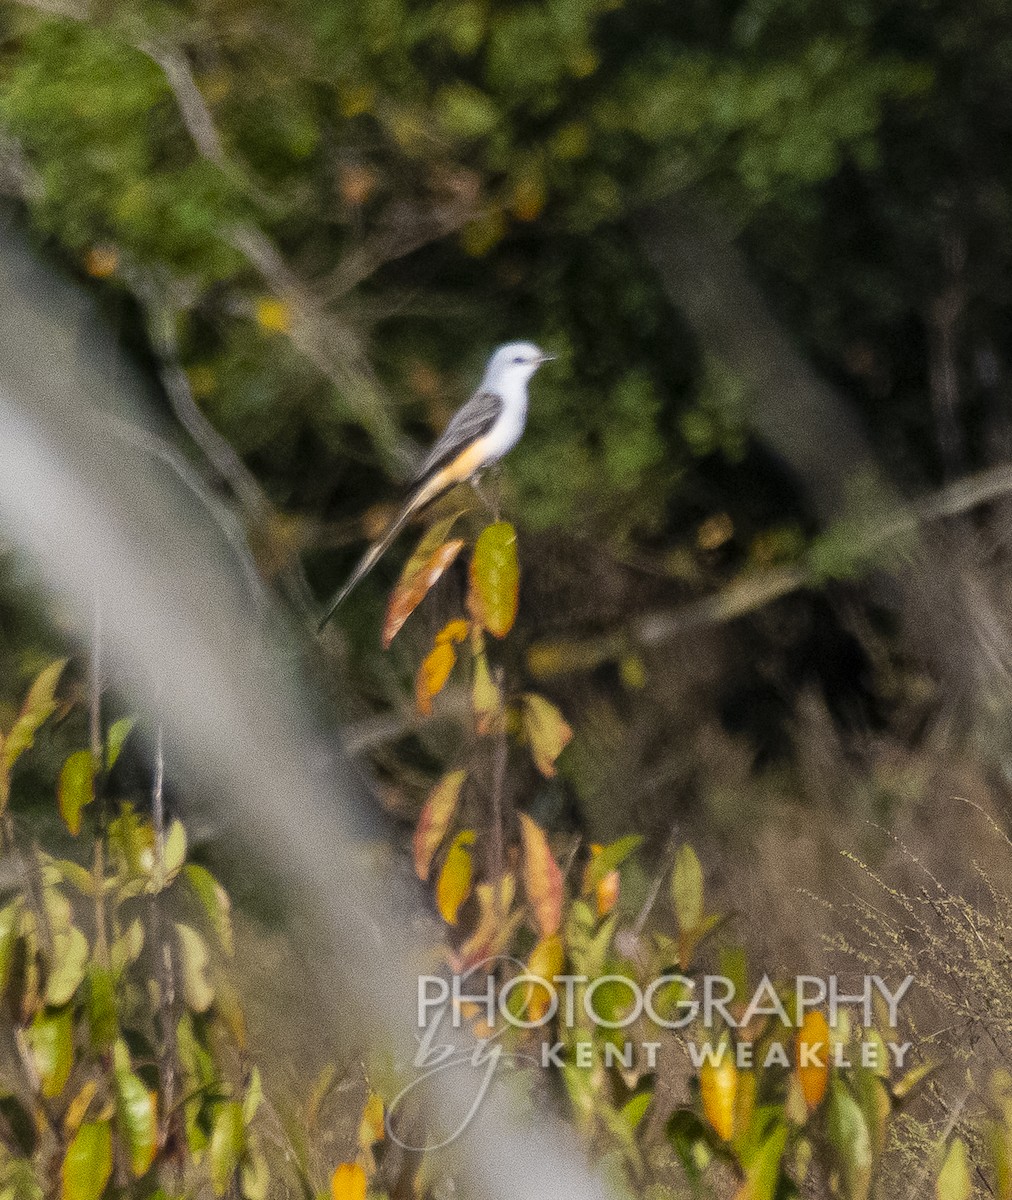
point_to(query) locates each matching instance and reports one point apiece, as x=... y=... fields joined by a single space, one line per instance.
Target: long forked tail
x=373 y=555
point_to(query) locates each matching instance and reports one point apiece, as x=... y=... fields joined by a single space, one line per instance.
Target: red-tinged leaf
x=87 y=1164
x=495 y=579
x=454 y=884
x=431 y=557
x=76 y=788
x=542 y=877
x=547 y=732
x=497 y=922
x=432 y=676
x=435 y=820
x=348 y=1182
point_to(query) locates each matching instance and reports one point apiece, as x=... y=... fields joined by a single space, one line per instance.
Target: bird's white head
x=513 y=364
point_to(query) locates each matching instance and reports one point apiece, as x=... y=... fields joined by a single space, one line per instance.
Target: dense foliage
x=769 y=240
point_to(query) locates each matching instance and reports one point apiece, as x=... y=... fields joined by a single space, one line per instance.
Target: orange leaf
x=432 y=675
x=811 y=1058
x=547 y=732
x=454 y=884
x=604 y=889
x=348 y=1182
x=606 y=893
x=542 y=877
x=435 y=820
x=431 y=557
x=718 y=1087
x=495 y=579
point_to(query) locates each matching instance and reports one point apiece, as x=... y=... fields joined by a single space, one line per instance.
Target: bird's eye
x=519 y=358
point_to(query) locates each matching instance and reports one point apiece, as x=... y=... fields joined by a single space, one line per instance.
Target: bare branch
x=408 y=229
x=192 y=107
x=755 y=591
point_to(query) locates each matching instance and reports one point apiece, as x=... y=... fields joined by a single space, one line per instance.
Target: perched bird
x=479 y=434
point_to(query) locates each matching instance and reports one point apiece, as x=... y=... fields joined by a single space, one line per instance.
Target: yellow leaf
x=495 y=579
x=371 y=1128
x=273 y=315
x=78 y=1107
x=528 y=198
x=546 y=962
x=718 y=1088
x=548 y=733
x=811 y=1058
x=454 y=883
x=348 y=1182
x=432 y=675
x=435 y=820
x=542 y=877
x=486 y=700
x=431 y=557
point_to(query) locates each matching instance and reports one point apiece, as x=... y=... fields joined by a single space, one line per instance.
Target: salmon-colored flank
x=458 y=469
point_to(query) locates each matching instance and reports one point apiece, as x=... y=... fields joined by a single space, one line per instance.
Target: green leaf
x=687 y=889
x=175 y=850
x=51 y=1039
x=763 y=1173
x=465 y=112
x=954 y=1181
x=87 y=1164
x=228 y=1137
x=215 y=902
x=10 y=922
x=127 y=947
x=118 y=733
x=76 y=788
x=70 y=957
x=39 y=705
x=610 y=858
x=254 y=1175
x=136 y=1112
x=495 y=579
x=194 y=962
x=103 y=1021
x=634 y=1110
x=848 y=1135
x=254 y=1096
x=77 y=876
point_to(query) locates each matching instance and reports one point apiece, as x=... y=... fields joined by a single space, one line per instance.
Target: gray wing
x=468 y=424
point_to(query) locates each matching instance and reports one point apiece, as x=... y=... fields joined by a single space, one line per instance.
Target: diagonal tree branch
x=755 y=591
